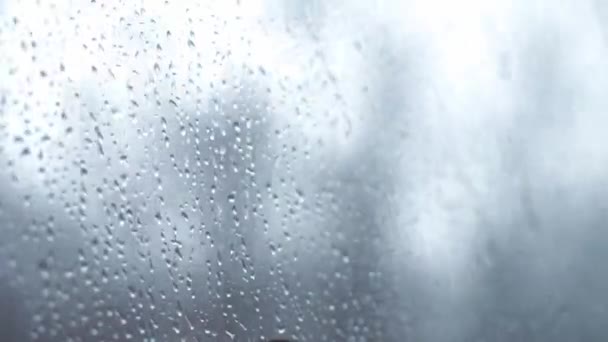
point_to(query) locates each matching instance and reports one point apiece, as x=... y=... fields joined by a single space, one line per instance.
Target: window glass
x=307 y=170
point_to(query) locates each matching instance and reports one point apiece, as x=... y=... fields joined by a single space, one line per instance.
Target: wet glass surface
x=303 y=170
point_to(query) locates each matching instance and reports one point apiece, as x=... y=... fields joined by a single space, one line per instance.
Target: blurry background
x=333 y=170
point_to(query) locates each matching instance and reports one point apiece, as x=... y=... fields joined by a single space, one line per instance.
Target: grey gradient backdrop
x=317 y=170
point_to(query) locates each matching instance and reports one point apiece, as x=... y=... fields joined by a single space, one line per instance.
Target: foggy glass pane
x=305 y=170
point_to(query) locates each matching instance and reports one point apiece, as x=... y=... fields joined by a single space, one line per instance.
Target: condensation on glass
x=303 y=170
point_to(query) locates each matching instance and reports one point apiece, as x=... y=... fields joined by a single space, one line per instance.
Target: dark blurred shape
x=11 y=326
